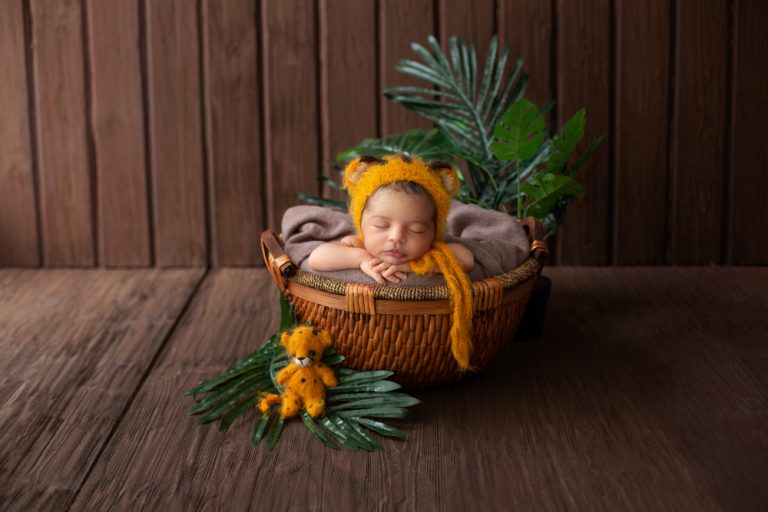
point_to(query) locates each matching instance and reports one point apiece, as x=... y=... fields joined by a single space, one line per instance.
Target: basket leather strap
x=277 y=262
x=536 y=233
x=359 y=299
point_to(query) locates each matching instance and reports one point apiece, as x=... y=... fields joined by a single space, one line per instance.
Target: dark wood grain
x=527 y=28
x=171 y=133
x=647 y=391
x=63 y=165
x=698 y=137
x=350 y=94
x=749 y=152
x=401 y=22
x=18 y=214
x=290 y=42
x=75 y=345
x=118 y=133
x=641 y=152
x=159 y=446
x=583 y=80
x=472 y=21
x=232 y=95
x=175 y=128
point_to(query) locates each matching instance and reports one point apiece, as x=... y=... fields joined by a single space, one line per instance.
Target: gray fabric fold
x=496 y=240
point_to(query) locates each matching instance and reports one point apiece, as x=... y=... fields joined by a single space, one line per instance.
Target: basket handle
x=536 y=233
x=278 y=263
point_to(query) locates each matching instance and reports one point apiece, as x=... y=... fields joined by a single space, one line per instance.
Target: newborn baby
x=399 y=206
x=397 y=226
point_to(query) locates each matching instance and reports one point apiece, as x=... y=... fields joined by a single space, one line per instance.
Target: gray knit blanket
x=496 y=240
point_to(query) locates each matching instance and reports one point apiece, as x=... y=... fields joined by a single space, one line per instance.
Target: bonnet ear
x=447 y=174
x=357 y=167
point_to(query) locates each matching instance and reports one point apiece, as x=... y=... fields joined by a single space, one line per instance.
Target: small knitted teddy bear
x=306 y=377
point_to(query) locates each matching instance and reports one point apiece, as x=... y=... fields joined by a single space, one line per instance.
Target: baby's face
x=398 y=226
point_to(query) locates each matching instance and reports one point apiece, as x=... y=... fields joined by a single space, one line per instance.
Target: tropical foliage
x=354 y=409
x=513 y=162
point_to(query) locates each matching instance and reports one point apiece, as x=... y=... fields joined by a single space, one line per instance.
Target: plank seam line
x=211 y=237
x=266 y=113
x=145 y=111
x=614 y=148
x=378 y=63
x=321 y=96
x=554 y=91
x=33 y=135
x=726 y=214
x=163 y=344
x=671 y=249
x=97 y=256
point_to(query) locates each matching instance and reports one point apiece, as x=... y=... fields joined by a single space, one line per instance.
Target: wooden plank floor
x=648 y=391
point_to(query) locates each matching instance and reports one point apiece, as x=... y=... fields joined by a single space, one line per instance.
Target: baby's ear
x=447 y=174
x=357 y=167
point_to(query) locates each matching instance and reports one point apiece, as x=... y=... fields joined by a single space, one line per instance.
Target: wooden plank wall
x=145 y=133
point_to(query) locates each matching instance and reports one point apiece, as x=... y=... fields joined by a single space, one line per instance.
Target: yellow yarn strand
x=456 y=279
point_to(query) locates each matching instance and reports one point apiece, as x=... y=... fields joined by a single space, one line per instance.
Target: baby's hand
x=382 y=271
x=369 y=268
x=395 y=273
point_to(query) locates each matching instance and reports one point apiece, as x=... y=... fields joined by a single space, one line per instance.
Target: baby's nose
x=397 y=234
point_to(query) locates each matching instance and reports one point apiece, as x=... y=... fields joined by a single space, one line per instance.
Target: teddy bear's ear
x=325 y=338
x=357 y=167
x=285 y=337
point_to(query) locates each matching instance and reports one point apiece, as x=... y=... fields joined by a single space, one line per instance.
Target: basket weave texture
x=400 y=328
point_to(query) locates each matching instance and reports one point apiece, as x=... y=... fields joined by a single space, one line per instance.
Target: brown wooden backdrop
x=169 y=133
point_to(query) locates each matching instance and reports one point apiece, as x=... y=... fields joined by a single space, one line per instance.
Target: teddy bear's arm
x=284 y=375
x=329 y=378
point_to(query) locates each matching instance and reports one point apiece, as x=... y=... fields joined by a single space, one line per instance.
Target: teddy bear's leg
x=268 y=401
x=315 y=407
x=291 y=404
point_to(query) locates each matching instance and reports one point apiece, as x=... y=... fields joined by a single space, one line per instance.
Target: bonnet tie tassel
x=456 y=279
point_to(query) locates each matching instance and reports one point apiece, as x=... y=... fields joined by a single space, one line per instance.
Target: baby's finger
x=401 y=275
x=377 y=277
x=389 y=271
x=392 y=279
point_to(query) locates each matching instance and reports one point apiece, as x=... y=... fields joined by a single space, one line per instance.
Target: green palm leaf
x=427 y=145
x=353 y=409
x=465 y=112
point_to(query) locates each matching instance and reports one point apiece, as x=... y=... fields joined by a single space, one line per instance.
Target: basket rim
x=527 y=270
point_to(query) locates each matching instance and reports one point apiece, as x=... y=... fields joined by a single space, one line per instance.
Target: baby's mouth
x=394 y=254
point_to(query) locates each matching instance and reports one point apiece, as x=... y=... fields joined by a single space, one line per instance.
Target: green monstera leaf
x=545 y=190
x=566 y=141
x=519 y=133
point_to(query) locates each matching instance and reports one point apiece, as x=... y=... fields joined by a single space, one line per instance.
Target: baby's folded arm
x=336 y=256
x=352 y=241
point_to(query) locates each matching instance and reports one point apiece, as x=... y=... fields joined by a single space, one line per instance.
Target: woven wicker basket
x=405 y=329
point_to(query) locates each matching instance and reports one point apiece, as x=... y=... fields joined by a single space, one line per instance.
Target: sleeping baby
x=399 y=205
x=397 y=224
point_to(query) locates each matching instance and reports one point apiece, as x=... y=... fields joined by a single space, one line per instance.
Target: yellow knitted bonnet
x=366 y=174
